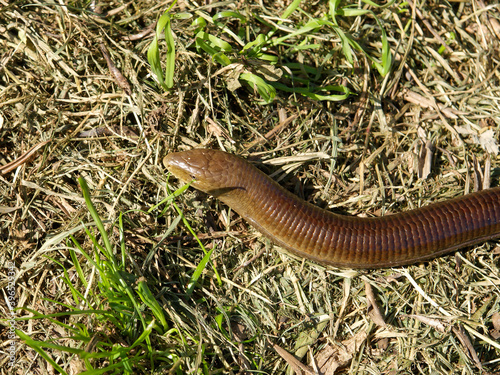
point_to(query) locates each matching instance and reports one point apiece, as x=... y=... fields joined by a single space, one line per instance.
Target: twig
x=23 y=158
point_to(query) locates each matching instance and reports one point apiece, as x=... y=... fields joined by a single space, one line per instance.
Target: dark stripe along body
x=325 y=237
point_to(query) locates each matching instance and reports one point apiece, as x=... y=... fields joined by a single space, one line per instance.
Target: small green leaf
x=214 y=42
x=182 y=16
x=317 y=93
x=228 y=14
x=216 y=55
x=352 y=12
x=265 y=90
x=259 y=42
x=199 y=24
x=166 y=80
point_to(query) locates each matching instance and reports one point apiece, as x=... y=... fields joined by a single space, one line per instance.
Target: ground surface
x=424 y=129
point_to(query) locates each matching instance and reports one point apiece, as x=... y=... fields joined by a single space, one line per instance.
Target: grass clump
x=252 y=58
x=122 y=303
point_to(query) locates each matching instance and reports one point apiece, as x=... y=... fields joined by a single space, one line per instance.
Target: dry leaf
x=464 y=339
x=487 y=173
x=495 y=320
x=488 y=141
x=413 y=97
x=269 y=72
x=425 y=160
x=117 y=74
x=372 y=306
x=293 y=362
x=6 y=210
x=333 y=357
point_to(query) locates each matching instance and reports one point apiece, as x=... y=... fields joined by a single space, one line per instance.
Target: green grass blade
x=147 y=331
x=154 y=61
x=37 y=315
x=170 y=64
x=312 y=26
x=78 y=268
x=35 y=345
x=290 y=9
x=96 y=217
x=228 y=14
x=147 y=297
x=197 y=272
x=171 y=196
x=103 y=370
x=353 y=12
x=346 y=44
x=186 y=223
x=165 y=80
x=316 y=94
x=77 y=296
x=122 y=241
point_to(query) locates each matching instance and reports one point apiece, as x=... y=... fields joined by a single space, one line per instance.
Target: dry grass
x=359 y=156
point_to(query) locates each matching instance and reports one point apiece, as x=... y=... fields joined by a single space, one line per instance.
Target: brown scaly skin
x=328 y=238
